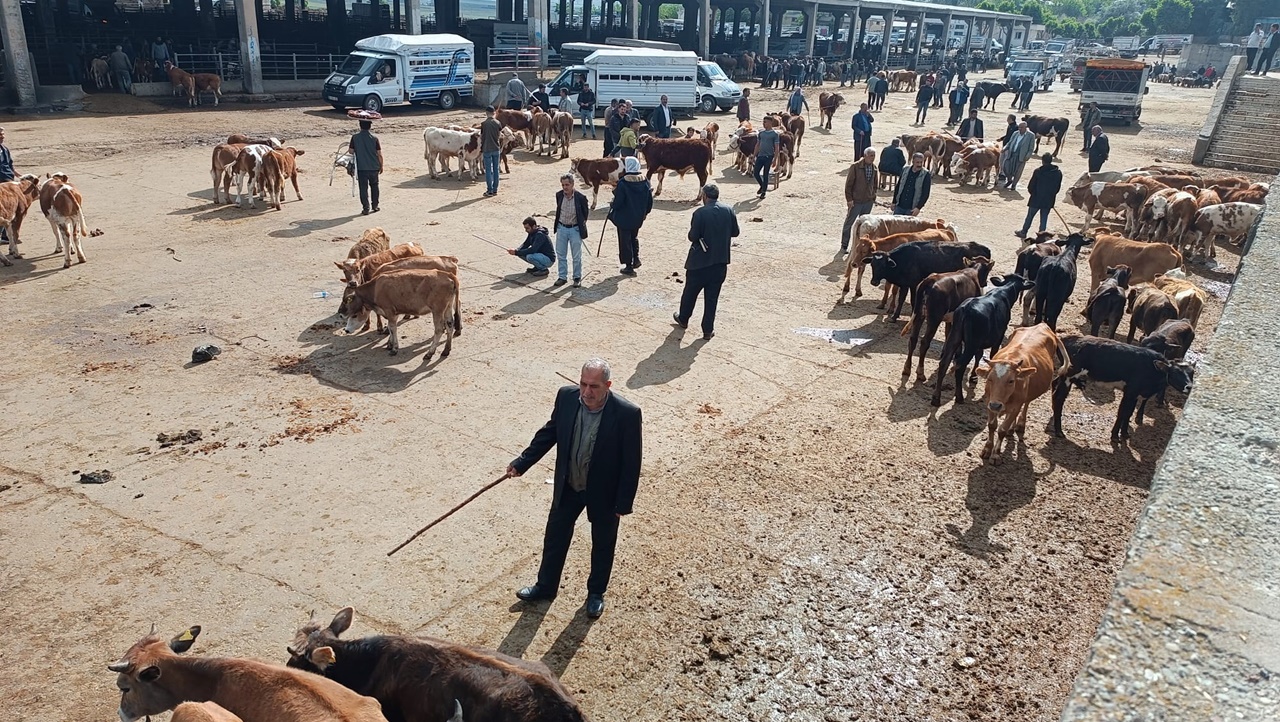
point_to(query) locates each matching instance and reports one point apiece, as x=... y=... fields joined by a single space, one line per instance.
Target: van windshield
x=715 y=72
x=359 y=65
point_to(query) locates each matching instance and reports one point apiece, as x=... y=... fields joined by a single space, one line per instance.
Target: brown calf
x=416 y=292
x=356 y=270
x=61 y=204
x=597 y=171
x=1149 y=308
x=15 y=197
x=420 y=679
x=1187 y=296
x=201 y=712
x=448 y=264
x=373 y=240
x=152 y=679
x=279 y=165
x=936 y=297
x=1144 y=259
x=678 y=154
x=1021 y=371
x=883 y=227
x=828 y=103
x=223 y=167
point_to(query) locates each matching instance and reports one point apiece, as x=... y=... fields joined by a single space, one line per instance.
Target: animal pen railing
x=275 y=66
x=507 y=60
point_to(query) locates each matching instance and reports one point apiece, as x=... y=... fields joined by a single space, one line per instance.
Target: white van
x=399 y=69
x=640 y=75
x=715 y=89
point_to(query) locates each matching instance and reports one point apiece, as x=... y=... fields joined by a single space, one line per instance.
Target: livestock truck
x=1116 y=85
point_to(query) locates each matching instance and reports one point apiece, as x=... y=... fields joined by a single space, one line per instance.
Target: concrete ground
x=811 y=539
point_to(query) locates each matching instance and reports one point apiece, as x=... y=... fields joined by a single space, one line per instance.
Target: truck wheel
x=448 y=100
x=708 y=104
x=372 y=103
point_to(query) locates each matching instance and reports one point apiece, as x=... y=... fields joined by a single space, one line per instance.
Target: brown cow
x=224 y=158
x=865 y=246
x=448 y=264
x=519 y=121
x=415 y=292
x=562 y=129
x=828 y=103
x=373 y=240
x=421 y=679
x=1256 y=193
x=194 y=83
x=279 y=166
x=875 y=227
x=597 y=171
x=1205 y=197
x=201 y=712
x=795 y=124
x=681 y=155
x=1187 y=296
x=15 y=197
x=242 y=139
x=936 y=297
x=1149 y=308
x=153 y=679
x=903 y=80
x=1106 y=303
x=248 y=166
x=356 y=270
x=784 y=162
x=62 y=205
x=1019 y=373
x=540 y=126
x=1146 y=260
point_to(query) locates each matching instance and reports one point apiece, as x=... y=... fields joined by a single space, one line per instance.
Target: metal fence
x=275 y=66
x=505 y=60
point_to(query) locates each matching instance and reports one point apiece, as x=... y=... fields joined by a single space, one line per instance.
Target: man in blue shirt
x=795 y=101
x=6 y=161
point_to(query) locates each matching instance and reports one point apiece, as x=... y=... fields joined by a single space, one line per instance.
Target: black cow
x=978 y=324
x=1055 y=281
x=1048 y=127
x=1029 y=260
x=1106 y=303
x=419 y=679
x=1172 y=340
x=907 y=265
x=992 y=90
x=936 y=297
x=1141 y=372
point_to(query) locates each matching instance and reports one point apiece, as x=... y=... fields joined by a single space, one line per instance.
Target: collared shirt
x=568 y=212
x=6 y=164
x=870 y=172
x=585 y=429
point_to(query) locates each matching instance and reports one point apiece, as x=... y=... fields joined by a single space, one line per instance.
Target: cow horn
x=153 y=628
x=118 y=667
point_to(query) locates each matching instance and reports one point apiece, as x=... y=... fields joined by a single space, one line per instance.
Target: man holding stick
x=597 y=435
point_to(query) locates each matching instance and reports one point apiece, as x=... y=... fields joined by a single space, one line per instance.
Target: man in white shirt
x=661 y=119
x=1252 y=44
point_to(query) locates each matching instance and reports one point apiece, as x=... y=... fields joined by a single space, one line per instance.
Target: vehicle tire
x=708 y=104
x=338 y=106
x=372 y=103
x=448 y=100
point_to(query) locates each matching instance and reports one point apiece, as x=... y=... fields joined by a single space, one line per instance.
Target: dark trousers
x=1264 y=62
x=861 y=141
x=1095 y=165
x=1250 y=54
x=1088 y=138
x=954 y=117
x=610 y=140
x=763 y=164
x=559 y=534
x=628 y=246
x=706 y=281
x=368 y=182
x=515 y=104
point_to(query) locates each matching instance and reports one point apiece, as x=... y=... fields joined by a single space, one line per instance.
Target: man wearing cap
x=367 y=150
x=711 y=232
x=632 y=201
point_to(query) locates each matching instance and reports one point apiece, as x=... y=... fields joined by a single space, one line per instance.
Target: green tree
x=1148 y=21
x=668 y=12
x=1174 y=16
x=1211 y=17
x=1033 y=8
x=1112 y=26
x=1070 y=8
x=1134 y=28
x=1247 y=12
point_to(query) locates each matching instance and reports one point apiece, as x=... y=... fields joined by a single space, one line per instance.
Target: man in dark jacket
x=632 y=201
x=892 y=162
x=541 y=98
x=971 y=127
x=924 y=96
x=536 y=250
x=662 y=119
x=1042 y=192
x=570 y=229
x=959 y=96
x=859 y=193
x=598 y=437
x=1090 y=116
x=1099 y=150
x=711 y=231
x=587 y=110
x=913 y=188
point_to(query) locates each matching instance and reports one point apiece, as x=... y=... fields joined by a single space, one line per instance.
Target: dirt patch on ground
x=311 y=419
x=181 y=438
x=95 y=366
x=293 y=364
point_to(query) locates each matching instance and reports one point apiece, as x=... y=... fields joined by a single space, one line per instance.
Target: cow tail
x=1062 y=353
x=457 y=306
x=917 y=307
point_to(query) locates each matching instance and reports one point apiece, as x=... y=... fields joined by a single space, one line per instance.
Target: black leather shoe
x=676 y=317
x=595 y=605
x=535 y=593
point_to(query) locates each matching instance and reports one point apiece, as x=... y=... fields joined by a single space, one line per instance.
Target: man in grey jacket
x=517 y=93
x=711 y=232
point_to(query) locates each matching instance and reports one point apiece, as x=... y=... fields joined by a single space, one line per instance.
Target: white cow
x=247 y=163
x=443 y=144
x=1232 y=220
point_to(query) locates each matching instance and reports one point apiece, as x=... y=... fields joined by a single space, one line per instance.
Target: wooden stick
x=450 y=513
x=1064 y=220
x=492 y=243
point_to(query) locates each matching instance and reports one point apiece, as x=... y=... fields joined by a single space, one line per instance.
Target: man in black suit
x=711 y=233
x=1099 y=150
x=971 y=127
x=661 y=119
x=597 y=435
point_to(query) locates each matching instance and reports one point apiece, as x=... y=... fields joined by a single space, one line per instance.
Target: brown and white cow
x=519 y=121
x=1019 y=373
x=1146 y=260
x=224 y=158
x=1187 y=296
x=441 y=144
x=277 y=167
x=681 y=155
x=1095 y=198
x=248 y=166
x=414 y=292
x=978 y=162
x=61 y=204
x=1232 y=220
x=153 y=678
x=16 y=197
x=875 y=227
x=597 y=171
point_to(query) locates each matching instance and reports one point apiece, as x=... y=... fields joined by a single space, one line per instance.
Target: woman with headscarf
x=632 y=201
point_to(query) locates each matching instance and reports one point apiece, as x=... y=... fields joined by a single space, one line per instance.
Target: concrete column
x=413 y=16
x=764 y=29
x=989 y=35
x=811 y=32
x=919 y=41
x=18 y=73
x=884 y=41
x=539 y=14
x=633 y=18
x=586 y=18
x=737 y=26
x=250 y=48
x=946 y=36
x=704 y=30
x=968 y=36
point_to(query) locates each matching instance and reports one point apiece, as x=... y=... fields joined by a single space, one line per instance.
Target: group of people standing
x=793 y=72
x=1260 y=48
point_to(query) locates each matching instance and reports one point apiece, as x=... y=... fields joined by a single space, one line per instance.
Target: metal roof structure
x=909 y=7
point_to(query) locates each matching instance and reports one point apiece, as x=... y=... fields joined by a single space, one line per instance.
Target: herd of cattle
x=374 y=679
x=1133 y=272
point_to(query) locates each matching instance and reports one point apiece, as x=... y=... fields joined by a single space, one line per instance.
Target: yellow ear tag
x=186 y=636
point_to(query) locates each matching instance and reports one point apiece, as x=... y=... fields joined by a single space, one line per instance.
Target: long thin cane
x=450 y=513
x=603 y=227
x=1064 y=220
